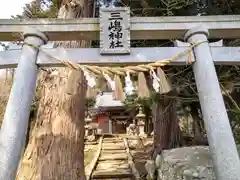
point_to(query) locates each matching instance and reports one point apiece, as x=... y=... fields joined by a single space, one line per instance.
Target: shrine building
x=111 y=115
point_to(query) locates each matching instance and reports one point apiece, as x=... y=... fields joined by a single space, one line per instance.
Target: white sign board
x=114 y=30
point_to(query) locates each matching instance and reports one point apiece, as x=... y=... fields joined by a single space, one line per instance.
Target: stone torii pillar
x=222 y=146
x=15 y=123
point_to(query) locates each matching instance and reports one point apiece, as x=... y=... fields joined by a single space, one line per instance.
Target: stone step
x=119 y=179
x=112 y=140
x=112 y=173
x=110 y=164
x=113 y=148
x=113 y=143
x=113 y=156
x=107 y=151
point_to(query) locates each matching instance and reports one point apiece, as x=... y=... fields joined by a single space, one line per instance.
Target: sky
x=11 y=7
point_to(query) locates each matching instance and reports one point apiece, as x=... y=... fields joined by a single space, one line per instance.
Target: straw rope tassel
x=142 y=89
x=91 y=82
x=118 y=93
x=165 y=86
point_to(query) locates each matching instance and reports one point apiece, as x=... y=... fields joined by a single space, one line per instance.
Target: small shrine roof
x=106 y=100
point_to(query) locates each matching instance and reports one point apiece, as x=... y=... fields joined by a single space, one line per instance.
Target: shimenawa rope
x=121 y=70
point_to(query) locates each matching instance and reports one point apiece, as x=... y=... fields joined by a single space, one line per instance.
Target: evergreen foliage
x=39 y=9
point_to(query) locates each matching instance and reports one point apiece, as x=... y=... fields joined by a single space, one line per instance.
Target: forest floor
x=141 y=154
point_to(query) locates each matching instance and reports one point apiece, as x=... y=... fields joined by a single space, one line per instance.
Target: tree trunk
x=198 y=128
x=56 y=147
x=167 y=133
x=198 y=122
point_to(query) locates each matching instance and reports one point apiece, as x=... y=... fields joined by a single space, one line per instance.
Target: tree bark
x=198 y=122
x=167 y=133
x=56 y=147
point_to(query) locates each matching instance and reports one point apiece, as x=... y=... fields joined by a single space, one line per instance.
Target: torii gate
x=192 y=29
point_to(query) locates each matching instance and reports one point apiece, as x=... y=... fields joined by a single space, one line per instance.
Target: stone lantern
x=88 y=120
x=141 y=122
x=90 y=129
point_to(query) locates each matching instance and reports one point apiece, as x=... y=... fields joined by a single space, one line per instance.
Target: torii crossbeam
x=192 y=29
x=48 y=57
x=223 y=27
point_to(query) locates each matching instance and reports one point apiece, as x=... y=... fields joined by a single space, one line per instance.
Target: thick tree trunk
x=167 y=133
x=56 y=147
